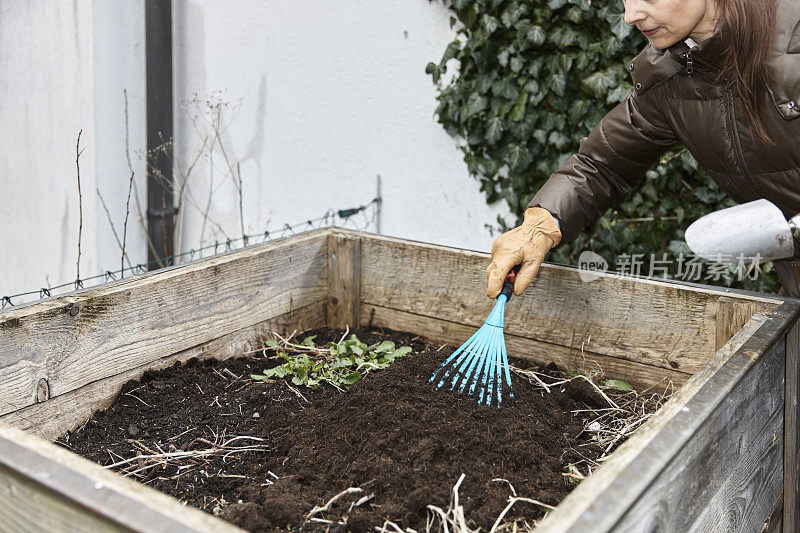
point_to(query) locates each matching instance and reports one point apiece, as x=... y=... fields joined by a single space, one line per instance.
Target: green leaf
x=490 y=24
x=517 y=63
x=402 y=351
x=494 y=129
x=434 y=70
x=450 y=52
x=536 y=35
x=271 y=344
x=617 y=385
x=618 y=26
x=557 y=83
x=680 y=214
x=385 y=346
x=309 y=341
x=601 y=81
x=575 y=15
x=475 y=104
x=617 y=94
x=351 y=379
x=505 y=88
x=518 y=111
x=485 y=83
x=513 y=14
x=515 y=154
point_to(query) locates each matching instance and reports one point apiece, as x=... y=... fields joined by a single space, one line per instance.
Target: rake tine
x=477 y=352
x=496 y=380
x=476 y=363
x=498 y=377
x=505 y=367
x=481 y=378
x=447 y=361
x=463 y=352
x=467 y=356
x=477 y=377
x=481 y=368
x=486 y=378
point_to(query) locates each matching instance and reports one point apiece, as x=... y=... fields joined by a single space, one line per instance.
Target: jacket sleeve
x=610 y=163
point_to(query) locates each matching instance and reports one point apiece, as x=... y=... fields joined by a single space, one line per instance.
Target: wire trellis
x=343 y=218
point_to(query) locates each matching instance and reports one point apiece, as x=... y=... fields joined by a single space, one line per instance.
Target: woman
x=733 y=100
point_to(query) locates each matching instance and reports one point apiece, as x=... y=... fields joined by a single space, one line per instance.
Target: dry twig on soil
x=181 y=459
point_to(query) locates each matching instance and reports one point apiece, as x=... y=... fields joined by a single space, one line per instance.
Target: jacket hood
x=784 y=64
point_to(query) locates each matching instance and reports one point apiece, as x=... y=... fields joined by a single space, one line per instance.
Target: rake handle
x=508 y=284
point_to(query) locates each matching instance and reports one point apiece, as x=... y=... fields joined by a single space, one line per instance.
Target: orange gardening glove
x=525 y=245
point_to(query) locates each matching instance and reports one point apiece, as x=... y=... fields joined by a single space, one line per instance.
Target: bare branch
x=130 y=188
x=78 y=152
x=121 y=244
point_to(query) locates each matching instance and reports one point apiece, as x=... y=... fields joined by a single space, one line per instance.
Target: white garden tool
x=752 y=230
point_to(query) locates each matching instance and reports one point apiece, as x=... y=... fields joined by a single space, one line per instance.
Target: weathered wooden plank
x=29 y=508
x=344 y=280
x=791 y=487
x=640 y=375
x=46 y=488
x=54 y=417
x=66 y=343
x=711 y=405
x=731 y=314
x=747 y=497
x=647 y=321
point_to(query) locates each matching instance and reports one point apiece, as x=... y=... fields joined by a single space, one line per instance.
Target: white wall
x=330 y=94
x=64 y=66
x=119 y=69
x=324 y=96
x=45 y=61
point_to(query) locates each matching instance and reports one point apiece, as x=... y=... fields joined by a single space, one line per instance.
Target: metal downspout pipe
x=160 y=201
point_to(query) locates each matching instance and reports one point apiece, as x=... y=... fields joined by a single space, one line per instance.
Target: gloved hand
x=525 y=245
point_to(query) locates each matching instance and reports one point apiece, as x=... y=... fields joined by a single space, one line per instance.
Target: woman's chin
x=662 y=41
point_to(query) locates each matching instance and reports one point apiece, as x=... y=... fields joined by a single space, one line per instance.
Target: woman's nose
x=633 y=13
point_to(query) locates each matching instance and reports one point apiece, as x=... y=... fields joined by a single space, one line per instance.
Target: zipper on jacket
x=730 y=105
x=689 y=63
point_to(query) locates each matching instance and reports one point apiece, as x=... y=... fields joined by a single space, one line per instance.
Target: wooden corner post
x=791 y=483
x=344 y=281
x=731 y=316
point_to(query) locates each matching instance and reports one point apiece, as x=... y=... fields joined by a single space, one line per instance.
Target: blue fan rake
x=482 y=361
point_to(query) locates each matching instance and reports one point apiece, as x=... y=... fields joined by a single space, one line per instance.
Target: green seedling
x=617 y=385
x=342 y=367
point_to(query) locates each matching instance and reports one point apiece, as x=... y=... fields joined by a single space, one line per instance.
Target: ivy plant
x=345 y=364
x=530 y=78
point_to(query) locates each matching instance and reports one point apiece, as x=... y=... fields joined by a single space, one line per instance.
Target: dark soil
x=392 y=435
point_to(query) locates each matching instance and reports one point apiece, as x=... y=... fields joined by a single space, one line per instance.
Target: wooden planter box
x=721 y=455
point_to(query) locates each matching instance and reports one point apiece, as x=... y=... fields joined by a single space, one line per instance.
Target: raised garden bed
x=720 y=455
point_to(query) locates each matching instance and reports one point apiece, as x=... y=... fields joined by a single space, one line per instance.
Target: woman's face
x=665 y=22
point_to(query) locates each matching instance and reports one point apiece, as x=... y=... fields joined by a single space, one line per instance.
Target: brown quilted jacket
x=676 y=100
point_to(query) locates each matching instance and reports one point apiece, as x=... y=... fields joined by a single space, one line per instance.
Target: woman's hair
x=750 y=31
